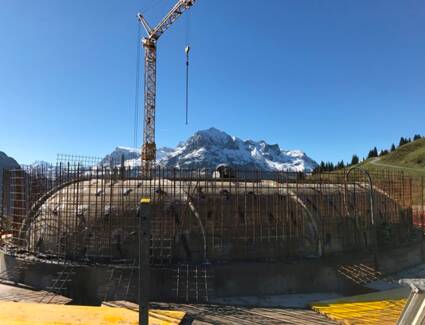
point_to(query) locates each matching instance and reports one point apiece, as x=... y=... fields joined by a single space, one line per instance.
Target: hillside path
x=375 y=161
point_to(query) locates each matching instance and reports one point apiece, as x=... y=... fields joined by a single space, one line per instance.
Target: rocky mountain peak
x=212 y=147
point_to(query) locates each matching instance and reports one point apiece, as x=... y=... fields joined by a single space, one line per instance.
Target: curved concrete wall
x=267 y=220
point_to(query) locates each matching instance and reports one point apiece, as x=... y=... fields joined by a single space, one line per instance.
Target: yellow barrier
x=12 y=313
x=379 y=308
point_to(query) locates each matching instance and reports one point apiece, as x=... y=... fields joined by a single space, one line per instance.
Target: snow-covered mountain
x=212 y=147
x=131 y=156
x=119 y=153
x=40 y=164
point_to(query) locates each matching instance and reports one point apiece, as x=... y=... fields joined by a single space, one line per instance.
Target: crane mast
x=149 y=44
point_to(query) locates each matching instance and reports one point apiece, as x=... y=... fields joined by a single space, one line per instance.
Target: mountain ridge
x=6 y=162
x=212 y=147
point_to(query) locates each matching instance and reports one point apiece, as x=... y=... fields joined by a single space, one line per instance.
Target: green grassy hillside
x=409 y=158
x=410 y=155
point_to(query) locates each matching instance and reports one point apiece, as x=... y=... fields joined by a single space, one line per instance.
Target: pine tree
x=402 y=142
x=370 y=154
x=392 y=147
x=417 y=137
x=373 y=153
x=354 y=160
x=329 y=167
x=340 y=164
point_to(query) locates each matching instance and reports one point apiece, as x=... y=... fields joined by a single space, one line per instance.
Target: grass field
x=409 y=158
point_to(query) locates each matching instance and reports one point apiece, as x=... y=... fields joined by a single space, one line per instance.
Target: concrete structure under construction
x=249 y=234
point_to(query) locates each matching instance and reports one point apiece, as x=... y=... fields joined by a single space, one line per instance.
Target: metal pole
x=145 y=215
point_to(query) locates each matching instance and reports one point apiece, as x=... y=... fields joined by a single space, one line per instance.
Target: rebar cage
x=82 y=213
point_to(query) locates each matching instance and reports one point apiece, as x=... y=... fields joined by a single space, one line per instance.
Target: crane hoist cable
x=187 y=50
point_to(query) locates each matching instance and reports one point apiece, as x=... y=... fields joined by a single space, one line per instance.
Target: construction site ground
x=12 y=313
x=21 y=293
x=197 y=314
x=22 y=305
x=377 y=308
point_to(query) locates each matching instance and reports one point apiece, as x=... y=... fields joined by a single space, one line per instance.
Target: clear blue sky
x=330 y=77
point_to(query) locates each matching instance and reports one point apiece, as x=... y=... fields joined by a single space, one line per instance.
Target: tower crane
x=149 y=43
